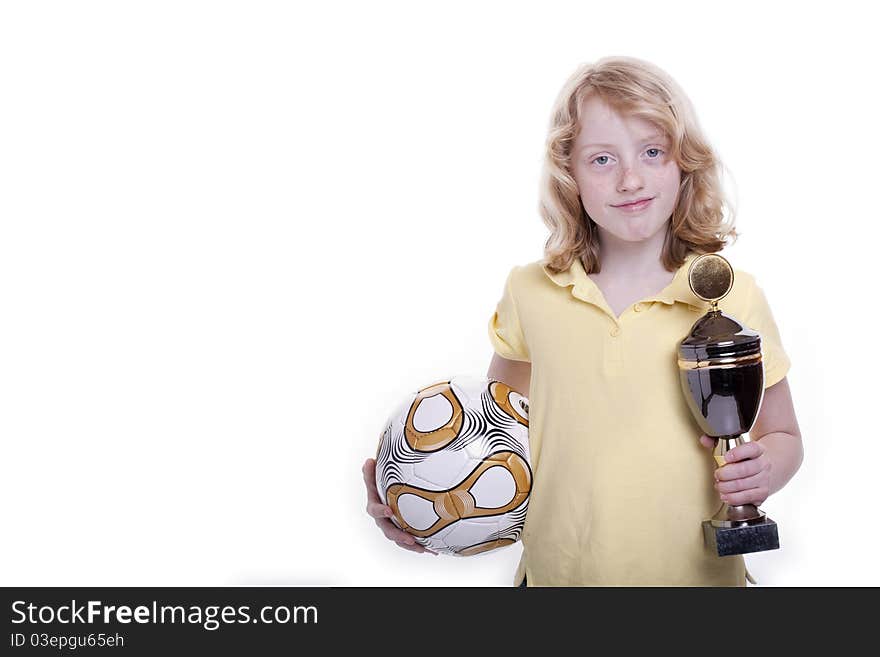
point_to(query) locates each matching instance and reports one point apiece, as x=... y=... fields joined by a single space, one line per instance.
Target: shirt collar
x=583 y=287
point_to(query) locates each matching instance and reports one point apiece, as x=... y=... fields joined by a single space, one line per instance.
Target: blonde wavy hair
x=634 y=88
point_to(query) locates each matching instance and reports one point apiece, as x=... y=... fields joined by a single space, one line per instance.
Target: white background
x=235 y=234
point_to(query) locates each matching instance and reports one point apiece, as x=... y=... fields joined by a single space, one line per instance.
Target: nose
x=630 y=179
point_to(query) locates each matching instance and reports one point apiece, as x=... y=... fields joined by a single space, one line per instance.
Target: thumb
x=707 y=442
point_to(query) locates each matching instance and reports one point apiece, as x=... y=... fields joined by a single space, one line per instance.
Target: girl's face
x=618 y=160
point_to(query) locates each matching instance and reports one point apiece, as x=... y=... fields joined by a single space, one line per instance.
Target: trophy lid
x=715 y=335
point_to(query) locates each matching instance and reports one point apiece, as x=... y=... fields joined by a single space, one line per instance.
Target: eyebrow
x=654 y=137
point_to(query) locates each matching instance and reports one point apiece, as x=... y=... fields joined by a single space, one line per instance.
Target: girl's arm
x=777 y=430
x=515 y=373
x=759 y=468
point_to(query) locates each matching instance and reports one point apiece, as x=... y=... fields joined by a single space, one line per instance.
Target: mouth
x=638 y=204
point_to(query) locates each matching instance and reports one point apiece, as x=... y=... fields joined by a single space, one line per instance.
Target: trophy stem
x=724 y=444
x=740 y=514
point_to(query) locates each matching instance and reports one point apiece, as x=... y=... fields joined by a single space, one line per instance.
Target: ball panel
x=494 y=489
x=432 y=413
x=443 y=470
x=436 y=436
x=510 y=402
x=416 y=511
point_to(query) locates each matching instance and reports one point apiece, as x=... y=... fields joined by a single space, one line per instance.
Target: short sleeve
x=505 y=331
x=760 y=318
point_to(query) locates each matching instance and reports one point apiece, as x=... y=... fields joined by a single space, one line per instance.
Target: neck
x=620 y=258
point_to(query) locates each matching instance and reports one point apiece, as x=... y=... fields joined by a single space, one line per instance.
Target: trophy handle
x=733 y=515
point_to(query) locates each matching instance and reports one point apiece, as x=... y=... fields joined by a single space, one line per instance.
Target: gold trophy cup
x=722 y=377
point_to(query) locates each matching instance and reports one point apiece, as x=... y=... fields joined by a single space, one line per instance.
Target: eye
x=657 y=152
x=604 y=161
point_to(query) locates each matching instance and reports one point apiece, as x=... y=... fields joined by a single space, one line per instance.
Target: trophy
x=722 y=377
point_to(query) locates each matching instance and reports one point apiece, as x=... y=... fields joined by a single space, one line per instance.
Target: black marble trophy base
x=726 y=541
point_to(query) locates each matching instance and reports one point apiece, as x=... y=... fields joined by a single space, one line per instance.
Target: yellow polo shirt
x=621 y=483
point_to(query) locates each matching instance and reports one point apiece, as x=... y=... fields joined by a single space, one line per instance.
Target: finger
x=419 y=549
x=705 y=441
x=392 y=533
x=754 y=496
x=378 y=510
x=736 y=485
x=745 y=451
x=739 y=470
x=407 y=546
x=369 y=470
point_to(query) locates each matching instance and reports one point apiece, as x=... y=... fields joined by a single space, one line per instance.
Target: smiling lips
x=635 y=206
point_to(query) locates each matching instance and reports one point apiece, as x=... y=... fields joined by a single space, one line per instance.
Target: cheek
x=669 y=179
x=592 y=191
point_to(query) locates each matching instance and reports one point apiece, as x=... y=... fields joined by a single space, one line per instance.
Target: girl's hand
x=745 y=479
x=382 y=512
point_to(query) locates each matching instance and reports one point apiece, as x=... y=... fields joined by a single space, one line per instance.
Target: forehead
x=600 y=121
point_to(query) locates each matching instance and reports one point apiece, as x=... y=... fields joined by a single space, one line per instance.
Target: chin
x=640 y=233
x=636 y=236
x=633 y=229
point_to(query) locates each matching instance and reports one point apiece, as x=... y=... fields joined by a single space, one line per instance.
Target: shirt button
x=638 y=307
x=615 y=332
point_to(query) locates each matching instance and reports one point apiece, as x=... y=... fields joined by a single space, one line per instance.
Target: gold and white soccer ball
x=453 y=465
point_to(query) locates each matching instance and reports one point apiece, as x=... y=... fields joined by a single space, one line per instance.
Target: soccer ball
x=453 y=465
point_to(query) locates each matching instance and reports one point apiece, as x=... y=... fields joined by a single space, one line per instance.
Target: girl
x=631 y=195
